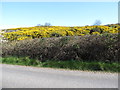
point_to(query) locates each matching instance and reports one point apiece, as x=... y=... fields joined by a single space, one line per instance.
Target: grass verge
x=68 y=64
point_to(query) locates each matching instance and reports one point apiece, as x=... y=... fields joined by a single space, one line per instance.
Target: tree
x=38 y=24
x=47 y=24
x=97 y=22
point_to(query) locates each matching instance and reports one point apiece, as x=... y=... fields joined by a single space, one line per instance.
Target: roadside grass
x=68 y=64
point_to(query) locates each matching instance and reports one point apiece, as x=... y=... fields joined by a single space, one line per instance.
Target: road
x=14 y=76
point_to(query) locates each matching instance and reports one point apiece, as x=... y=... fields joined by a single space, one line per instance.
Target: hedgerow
x=103 y=47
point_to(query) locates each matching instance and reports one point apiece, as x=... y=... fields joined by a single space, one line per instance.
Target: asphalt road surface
x=14 y=76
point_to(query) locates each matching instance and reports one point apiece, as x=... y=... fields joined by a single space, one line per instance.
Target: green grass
x=68 y=64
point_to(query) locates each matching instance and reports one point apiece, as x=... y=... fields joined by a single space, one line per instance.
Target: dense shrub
x=83 y=48
x=57 y=31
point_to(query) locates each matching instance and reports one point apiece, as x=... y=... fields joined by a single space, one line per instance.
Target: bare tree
x=97 y=22
x=38 y=24
x=47 y=24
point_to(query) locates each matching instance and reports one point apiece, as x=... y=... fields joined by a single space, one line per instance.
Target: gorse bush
x=57 y=31
x=103 y=48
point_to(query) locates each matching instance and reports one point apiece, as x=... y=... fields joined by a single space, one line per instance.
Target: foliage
x=68 y=64
x=103 y=47
x=57 y=31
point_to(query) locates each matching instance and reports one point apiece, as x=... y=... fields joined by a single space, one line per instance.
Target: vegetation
x=57 y=31
x=71 y=64
x=81 y=48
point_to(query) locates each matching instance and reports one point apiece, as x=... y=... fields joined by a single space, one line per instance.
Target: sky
x=27 y=14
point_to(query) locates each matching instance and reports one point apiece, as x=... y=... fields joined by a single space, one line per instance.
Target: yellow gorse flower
x=40 y=32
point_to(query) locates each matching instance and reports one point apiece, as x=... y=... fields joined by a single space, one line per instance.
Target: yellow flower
x=96 y=33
